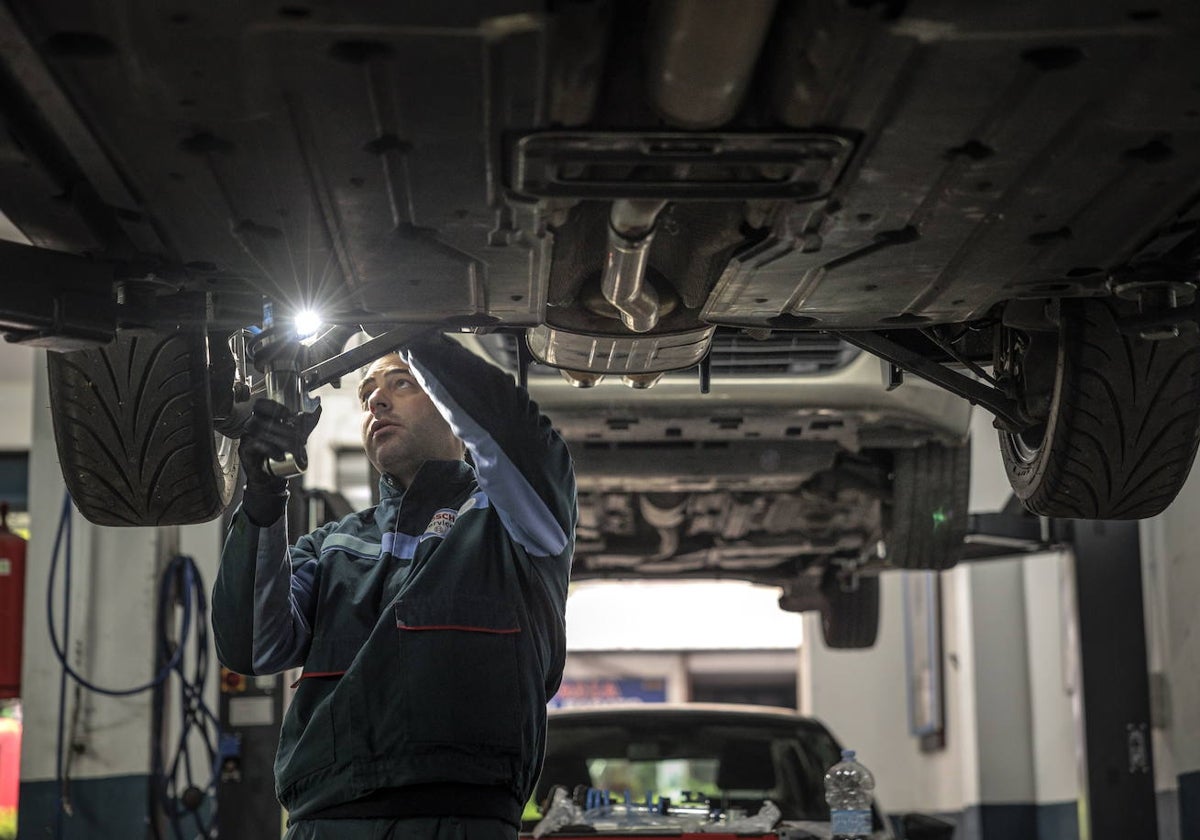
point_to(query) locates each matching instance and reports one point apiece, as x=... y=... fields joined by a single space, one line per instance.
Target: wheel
x=850 y=615
x=133 y=425
x=1119 y=416
x=930 y=485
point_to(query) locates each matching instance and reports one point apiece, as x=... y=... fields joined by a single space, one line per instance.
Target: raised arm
x=263 y=596
x=523 y=465
x=262 y=605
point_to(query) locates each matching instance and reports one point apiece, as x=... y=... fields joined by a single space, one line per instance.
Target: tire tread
x=927 y=479
x=1128 y=413
x=133 y=426
x=850 y=620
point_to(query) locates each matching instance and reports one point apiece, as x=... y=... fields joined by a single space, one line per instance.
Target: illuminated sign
x=597 y=692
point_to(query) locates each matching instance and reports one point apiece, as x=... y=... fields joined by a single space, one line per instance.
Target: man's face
x=401 y=429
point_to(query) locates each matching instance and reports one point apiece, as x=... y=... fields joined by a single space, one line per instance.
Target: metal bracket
x=1009 y=413
x=1162 y=323
x=524 y=360
x=351 y=360
x=41 y=310
x=991 y=535
x=893 y=376
x=1012 y=531
x=678 y=166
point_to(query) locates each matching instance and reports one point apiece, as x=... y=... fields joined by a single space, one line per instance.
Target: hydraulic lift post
x=1117 y=782
x=1116 y=779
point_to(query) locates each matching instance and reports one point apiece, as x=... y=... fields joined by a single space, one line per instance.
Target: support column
x=1117 y=744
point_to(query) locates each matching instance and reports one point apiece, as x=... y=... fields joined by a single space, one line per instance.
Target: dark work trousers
x=407 y=828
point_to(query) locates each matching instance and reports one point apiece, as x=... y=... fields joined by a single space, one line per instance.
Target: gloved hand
x=271 y=432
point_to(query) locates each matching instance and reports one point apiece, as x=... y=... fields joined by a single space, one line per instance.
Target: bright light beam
x=307 y=323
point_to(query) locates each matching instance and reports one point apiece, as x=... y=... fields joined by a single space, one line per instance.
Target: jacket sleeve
x=523 y=465
x=263 y=599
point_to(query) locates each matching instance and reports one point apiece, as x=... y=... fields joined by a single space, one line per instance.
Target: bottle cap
x=848 y=755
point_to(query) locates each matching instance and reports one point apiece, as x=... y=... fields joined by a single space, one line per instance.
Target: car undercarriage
x=999 y=199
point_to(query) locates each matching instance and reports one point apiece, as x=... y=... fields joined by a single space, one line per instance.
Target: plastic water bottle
x=848 y=787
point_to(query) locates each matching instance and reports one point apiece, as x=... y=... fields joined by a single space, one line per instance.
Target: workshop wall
x=108 y=770
x=705 y=640
x=862 y=697
x=340 y=428
x=1008 y=766
x=107 y=740
x=597 y=676
x=16 y=396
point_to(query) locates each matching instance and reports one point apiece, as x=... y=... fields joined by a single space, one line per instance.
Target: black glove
x=271 y=433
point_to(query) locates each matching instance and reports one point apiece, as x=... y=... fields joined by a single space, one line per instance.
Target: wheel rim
x=1027 y=445
x=226 y=451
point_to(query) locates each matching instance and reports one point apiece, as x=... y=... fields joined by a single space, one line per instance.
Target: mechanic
x=430 y=628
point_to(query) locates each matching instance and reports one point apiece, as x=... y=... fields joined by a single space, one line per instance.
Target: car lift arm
x=349 y=361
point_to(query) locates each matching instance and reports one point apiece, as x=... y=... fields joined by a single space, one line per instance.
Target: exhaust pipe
x=581 y=378
x=702 y=56
x=630 y=234
x=666 y=513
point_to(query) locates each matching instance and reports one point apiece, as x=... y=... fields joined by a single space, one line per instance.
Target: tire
x=133 y=425
x=930 y=487
x=850 y=618
x=1120 y=433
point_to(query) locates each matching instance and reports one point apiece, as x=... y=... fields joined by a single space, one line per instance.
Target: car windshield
x=717 y=760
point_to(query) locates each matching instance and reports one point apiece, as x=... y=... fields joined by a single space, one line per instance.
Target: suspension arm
x=1009 y=413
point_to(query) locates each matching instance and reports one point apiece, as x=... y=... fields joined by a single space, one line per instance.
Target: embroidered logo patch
x=441 y=523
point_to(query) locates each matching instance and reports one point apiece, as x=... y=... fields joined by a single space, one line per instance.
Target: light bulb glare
x=307 y=323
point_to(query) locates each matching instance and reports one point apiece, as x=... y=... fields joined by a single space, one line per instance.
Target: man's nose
x=376 y=400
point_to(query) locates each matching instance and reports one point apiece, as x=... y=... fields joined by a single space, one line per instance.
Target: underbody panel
x=375 y=159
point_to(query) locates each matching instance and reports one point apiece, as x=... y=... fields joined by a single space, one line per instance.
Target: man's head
x=401 y=429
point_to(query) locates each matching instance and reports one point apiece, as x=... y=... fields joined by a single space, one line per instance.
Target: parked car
x=685 y=766
x=997 y=197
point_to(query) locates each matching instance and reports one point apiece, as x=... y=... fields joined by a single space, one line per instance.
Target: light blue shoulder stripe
x=352 y=545
x=478 y=501
x=525 y=516
x=398 y=545
x=404 y=546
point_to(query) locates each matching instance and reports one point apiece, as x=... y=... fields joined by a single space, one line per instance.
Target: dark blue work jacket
x=430 y=628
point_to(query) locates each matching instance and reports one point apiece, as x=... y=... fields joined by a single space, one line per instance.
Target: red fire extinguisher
x=12 y=606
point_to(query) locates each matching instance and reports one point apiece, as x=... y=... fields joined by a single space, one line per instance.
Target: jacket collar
x=436 y=485
x=432 y=474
